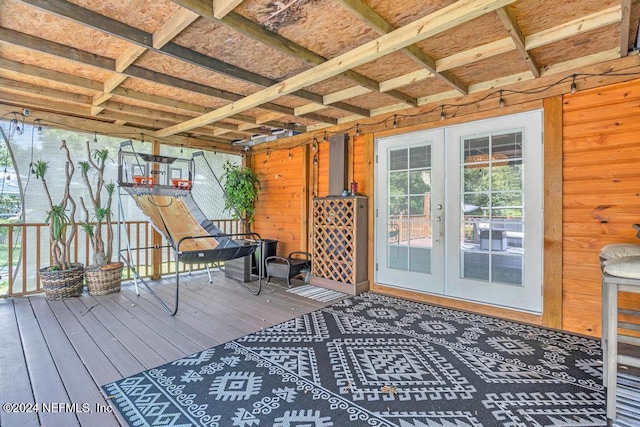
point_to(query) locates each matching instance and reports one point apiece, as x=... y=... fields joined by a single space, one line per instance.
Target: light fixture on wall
x=477 y=161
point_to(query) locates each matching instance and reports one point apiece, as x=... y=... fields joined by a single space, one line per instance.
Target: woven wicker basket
x=104 y=280
x=58 y=284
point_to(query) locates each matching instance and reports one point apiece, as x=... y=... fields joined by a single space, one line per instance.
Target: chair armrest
x=306 y=254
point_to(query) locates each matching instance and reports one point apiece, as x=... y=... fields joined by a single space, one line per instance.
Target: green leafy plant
x=60 y=216
x=97 y=216
x=241 y=185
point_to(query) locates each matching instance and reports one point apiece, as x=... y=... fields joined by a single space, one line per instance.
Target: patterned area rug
x=317 y=293
x=373 y=360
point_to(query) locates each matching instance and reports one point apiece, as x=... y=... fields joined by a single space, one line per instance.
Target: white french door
x=410 y=211
x=459 y=211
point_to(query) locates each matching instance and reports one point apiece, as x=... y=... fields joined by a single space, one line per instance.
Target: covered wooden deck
x=58 y=353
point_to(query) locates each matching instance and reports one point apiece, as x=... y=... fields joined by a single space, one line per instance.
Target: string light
x=395 y=121
x=314 y=146
x=442 y=112
x=501 y=101
x=357 y=130
x=325 y=136
x=39 y=125
x=574 y=86
x=95 y=136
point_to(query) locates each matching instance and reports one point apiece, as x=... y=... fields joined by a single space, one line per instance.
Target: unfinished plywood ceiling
x=215 y=72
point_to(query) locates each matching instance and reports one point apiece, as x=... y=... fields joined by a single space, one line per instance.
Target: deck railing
x=24 y=249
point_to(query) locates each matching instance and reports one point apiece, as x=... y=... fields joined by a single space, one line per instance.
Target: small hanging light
x=357 y=130
x=501 y=100
x=574 y=86
x=314 y=145
x=95 y=136
x=395 y=121
x=325 y=137
x=442 y=112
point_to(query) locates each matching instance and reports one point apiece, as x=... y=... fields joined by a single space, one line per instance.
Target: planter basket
x=58 y=284
x=104 y=280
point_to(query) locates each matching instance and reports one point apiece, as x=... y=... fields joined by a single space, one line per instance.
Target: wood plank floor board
x=81 y=388
x=213 y=330
x=98 y=364
x=118 y=354
x=46 y=382
x=64 y=351
x=156 y=341
x=15 y=386
x=226 y=319
x=162 y=320
x=145 y=354
x=138 y=314
x=271 y=305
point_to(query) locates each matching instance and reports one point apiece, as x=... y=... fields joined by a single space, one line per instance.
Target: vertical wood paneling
x=601 y=193
x=281 y=199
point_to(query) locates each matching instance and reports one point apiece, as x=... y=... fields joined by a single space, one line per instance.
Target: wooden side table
x=612 y=336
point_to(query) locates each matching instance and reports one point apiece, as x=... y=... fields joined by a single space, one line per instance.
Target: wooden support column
x=307 y=155
x=156 y=238
x=552 y=275
x=366 y=189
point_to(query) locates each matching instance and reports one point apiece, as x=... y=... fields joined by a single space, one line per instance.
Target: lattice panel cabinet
x=340 y=243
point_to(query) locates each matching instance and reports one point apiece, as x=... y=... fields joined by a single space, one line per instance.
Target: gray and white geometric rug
x=373 y=360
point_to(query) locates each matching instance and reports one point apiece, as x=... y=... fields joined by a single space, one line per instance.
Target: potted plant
x=62 y=278
x=241 y=186
x=103 y=276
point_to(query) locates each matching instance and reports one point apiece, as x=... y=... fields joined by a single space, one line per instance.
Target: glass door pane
x=492 y=216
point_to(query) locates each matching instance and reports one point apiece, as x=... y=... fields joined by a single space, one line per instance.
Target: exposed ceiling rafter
x=434 y=23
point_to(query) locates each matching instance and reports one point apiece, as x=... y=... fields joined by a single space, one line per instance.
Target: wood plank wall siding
x=601 y=193
x=281 y=201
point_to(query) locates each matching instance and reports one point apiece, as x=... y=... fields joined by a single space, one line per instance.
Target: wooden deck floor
x=59 y=353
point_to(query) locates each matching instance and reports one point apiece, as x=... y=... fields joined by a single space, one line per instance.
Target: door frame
x=551 y=298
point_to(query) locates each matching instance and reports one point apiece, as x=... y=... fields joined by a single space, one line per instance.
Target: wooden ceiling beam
x=374 y=20
x=63 y=120
x=8 y=68
x=427 y=26
x=130 y=34
x=509 y=22
x=223 y=7
x=625 y=23
x=239 y=23
x=18 y=87
x=594 y=21
x=41 y=45
x=180 y=20
x=552 y=35
x=478 y=53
